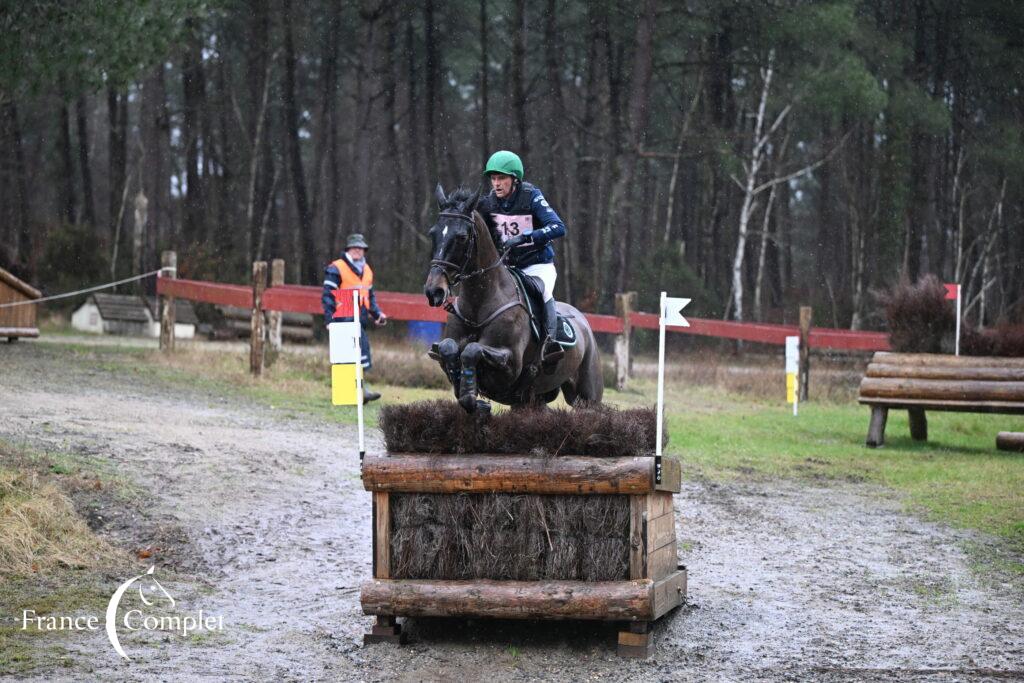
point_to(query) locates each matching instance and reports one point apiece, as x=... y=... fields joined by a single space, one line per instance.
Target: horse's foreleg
x=448 y=349
x=498 y=358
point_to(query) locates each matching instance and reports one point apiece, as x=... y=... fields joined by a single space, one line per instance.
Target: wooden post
x=876 y=428
x=918 y=424
x=274 y=318
x=805 y=351
x=257 y=329
x=624 y=304
x=169 y=264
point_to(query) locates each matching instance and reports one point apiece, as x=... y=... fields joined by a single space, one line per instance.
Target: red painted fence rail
x=405 y=306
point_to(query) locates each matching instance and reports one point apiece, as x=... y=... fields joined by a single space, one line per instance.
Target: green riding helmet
x=505 y=162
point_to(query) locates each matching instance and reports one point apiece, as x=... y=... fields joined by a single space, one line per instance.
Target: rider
x=522 y=219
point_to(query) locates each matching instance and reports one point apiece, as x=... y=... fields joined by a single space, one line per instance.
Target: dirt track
x=265 y=519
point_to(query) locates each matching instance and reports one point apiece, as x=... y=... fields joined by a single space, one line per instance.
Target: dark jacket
x=524 y=211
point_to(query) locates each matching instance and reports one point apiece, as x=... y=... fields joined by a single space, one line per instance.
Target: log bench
x=918 y=382
x=654 y=584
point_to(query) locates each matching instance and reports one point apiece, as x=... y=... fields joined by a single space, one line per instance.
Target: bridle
x=460 y=275
x=453 y=272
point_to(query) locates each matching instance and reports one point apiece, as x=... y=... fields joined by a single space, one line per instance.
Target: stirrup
x=551 y=353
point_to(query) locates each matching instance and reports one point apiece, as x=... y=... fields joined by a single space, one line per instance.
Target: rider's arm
x=332 y=279
x=552 y=226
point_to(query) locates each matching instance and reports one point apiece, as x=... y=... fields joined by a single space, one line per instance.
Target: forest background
x=751 y=155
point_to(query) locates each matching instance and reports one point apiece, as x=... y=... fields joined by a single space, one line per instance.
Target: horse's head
x=453 y=243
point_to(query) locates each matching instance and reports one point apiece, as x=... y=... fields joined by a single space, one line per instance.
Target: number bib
x=512 y=226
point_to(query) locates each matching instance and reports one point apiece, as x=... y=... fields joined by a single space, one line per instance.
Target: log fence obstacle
x=918 y=382
x=653 y=585
x=280 y=297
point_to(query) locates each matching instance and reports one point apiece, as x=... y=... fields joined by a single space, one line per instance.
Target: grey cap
x=356 y=240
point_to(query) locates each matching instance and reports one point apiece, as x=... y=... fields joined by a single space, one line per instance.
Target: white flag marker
x=671 y=311
x=671 y=314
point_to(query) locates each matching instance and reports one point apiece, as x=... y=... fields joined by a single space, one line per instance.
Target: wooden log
x=624 y=305
x=804 y=375
x=939 y=390
x=507 y=474
x=918 y=424
x=876 y=430
x=169 y=270
x=951 y=372
x=1004 y=407
x=257 y=326
x=944 y=359
x=1010 y=441
x=594 y=600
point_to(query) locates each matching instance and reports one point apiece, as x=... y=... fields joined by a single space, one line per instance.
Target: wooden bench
x=919 y=382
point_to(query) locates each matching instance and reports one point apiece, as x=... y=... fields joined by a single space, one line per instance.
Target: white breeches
x=547 y=273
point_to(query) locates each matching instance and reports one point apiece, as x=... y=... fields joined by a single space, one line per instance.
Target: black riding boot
x=552 y=352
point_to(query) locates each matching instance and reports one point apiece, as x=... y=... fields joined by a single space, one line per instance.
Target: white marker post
x=671 y=314
x=347 y=366
x=792 y=370
x=359 y=371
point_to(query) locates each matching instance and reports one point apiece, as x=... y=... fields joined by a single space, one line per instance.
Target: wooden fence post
x=257 y=329
x=624 y=304
x=169 y=269
x=805 y=351
x=274 y=318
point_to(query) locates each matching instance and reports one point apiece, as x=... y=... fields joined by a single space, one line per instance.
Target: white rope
x=86 y=291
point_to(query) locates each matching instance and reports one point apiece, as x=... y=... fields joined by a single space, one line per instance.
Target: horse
x=489 y=348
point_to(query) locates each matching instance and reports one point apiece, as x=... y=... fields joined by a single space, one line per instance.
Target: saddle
x=533 y=296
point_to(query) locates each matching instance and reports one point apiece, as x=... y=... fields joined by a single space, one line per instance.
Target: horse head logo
x=150 y=587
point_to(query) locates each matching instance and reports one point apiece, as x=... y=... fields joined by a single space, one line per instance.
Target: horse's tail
x=590 y=384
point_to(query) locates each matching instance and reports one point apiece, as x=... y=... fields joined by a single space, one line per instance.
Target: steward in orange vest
x=350 y=272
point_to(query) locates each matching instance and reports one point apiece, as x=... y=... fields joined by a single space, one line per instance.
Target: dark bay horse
x=489 y=348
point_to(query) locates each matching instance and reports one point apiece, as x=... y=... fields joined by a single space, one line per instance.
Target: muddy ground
x=260 y=517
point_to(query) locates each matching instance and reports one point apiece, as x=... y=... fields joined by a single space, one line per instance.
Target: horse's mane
x=458 y=196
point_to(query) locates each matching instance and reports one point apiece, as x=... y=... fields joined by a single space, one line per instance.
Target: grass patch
x=40 y=530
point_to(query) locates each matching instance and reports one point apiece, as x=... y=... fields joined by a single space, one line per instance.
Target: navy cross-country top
x=524 y=212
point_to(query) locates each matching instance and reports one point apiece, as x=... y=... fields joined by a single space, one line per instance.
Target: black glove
x=517 y=241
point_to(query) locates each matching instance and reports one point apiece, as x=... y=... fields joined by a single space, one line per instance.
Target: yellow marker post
x=792 y=367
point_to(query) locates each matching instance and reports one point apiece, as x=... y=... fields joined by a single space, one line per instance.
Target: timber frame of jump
x=918 y=382
x=656 y=585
